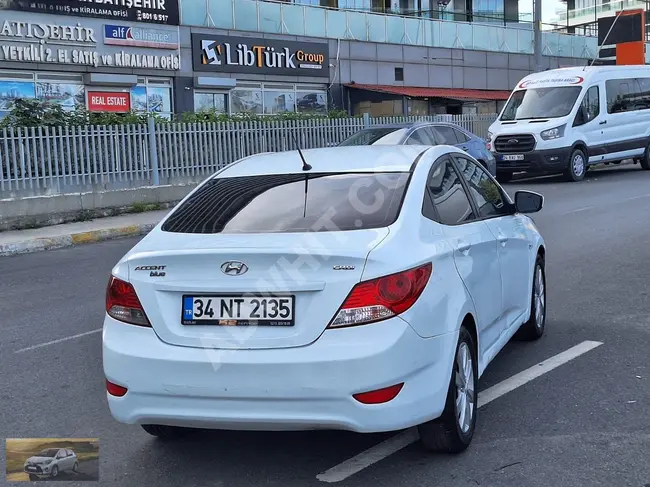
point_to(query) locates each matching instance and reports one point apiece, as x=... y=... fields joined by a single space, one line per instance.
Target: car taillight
x=122 y=303
x=382 y=298
x=115 y=390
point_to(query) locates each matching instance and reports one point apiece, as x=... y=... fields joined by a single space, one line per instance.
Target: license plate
x=513 y=157
x=239 y=310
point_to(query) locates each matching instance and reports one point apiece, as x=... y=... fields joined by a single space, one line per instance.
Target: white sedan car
x=359 y=288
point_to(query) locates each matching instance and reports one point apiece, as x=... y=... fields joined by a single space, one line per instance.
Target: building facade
x=257 y=57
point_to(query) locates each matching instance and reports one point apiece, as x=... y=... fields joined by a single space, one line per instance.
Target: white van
x=565 y=120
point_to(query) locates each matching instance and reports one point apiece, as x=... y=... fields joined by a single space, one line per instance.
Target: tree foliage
x=35 y=113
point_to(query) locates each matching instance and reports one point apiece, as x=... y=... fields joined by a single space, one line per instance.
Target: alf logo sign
x=121 y=35
x=261 y=56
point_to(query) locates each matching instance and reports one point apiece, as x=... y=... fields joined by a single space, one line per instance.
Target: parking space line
x=395 y=443
x=53 y=342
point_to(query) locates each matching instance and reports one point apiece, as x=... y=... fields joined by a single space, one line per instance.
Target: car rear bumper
x=537 y=161
x=299 y=388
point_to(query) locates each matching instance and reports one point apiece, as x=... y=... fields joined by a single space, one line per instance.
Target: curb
x=62 y=241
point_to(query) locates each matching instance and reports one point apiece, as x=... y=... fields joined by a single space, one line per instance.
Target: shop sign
x=259 y=56
x=106 y=101
x=123 y=35
x=47 y=43
x=150 y=11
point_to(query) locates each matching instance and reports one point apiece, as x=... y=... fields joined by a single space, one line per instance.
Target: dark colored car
x=426 y=133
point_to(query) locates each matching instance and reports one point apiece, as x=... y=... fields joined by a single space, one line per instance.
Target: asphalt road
x=584 y=423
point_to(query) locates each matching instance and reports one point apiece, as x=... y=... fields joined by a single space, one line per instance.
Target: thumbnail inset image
x=65 y=459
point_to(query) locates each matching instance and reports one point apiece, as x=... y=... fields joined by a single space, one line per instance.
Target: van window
x=627 y=95
x=541 y=103
x=589 y=108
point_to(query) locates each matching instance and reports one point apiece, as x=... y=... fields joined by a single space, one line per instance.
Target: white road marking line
x=577 y=210
x=395 y=443
x=53 y=342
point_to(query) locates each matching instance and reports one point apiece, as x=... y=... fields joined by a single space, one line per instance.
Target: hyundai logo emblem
x=234 y=268
x=513 y=142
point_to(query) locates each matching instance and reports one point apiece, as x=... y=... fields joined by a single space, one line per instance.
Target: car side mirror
x=528 y=202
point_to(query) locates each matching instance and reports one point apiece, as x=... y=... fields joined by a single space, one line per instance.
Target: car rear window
x=292 y=203
x=376 y=136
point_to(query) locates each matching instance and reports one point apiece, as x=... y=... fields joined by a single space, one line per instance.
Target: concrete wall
x=370 y=63
x=42 y=211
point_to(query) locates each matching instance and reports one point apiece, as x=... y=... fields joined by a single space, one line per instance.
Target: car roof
x=363 y=158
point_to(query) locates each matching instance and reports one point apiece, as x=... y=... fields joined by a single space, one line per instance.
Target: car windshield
x=279 y=203
x=540 y=103
x=50 y=452
x=377 y=136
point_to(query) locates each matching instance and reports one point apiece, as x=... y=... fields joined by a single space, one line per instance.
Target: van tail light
x=382 y=298
x=122 y=303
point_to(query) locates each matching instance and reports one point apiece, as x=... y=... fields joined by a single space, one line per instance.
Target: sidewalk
x=66 y=235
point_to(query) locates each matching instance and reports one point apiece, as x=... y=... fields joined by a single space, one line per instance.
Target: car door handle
x=502 y=239
x=465 y=148
x=463 y=246
x=603 y=122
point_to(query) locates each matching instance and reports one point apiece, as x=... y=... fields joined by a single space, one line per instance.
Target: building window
x=63 y=89
x=271 y=99
x=399 y=74
x=153 y=95
x=211 y=102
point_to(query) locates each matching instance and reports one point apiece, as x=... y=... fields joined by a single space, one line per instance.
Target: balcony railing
x=309 y=21
x=590 y=14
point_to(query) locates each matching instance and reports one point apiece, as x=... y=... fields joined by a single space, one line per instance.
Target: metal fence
x=52 y=160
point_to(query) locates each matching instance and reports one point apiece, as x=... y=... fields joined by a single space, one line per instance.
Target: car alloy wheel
x=533 y=329
x=75 y=468
x=453 y=431
x=55 y=471
x=465 y=388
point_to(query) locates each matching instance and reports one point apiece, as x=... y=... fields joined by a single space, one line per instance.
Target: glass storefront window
x=11 y=90
x=245 y=100
x=68 y=95
x=279 y=102
x=152 y=95
x=213 y=102
x=311 y=102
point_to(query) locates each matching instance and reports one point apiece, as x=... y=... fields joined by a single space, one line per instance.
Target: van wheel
x=645 y=160
x=453 y=431
x=577 y=166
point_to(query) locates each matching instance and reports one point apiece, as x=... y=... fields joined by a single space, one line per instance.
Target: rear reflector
x=122 y=303
x=115 y=390
x=382 y=298
x=379 y=396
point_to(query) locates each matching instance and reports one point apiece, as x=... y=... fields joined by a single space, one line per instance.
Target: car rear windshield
x=291 y=203
x=376 y=136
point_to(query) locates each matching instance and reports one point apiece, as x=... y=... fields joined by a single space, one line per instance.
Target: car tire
x=645 y=160
x=164 y=432
x=453 y=432
x=75 y=467
x=533 y=329
x=504 y=177
x=55 y=471
x=577 y=166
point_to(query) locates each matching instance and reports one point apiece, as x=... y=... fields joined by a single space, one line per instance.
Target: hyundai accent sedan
x=353 y=288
